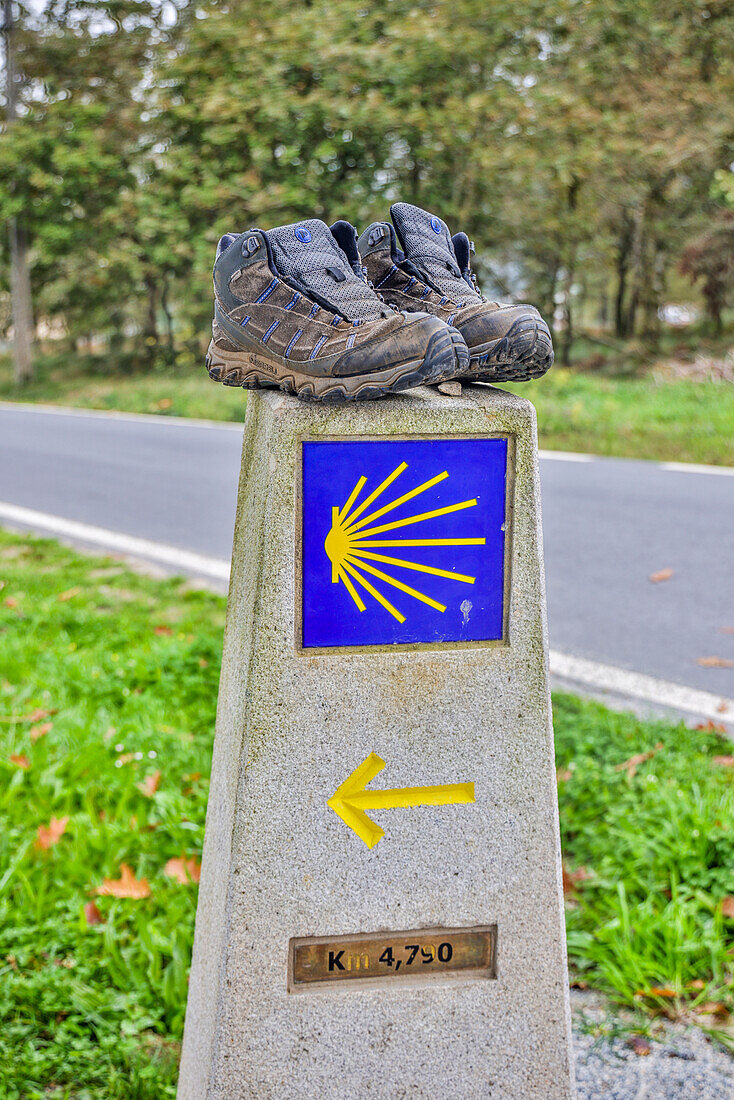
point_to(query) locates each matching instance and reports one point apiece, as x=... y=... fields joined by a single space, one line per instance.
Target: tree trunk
x=20 y=292
x=20 y=282
x=167 y=314
x=638 y=251
x=623 y=260
x=151 y=323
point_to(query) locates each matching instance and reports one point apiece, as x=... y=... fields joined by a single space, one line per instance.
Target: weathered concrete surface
x=278 y=863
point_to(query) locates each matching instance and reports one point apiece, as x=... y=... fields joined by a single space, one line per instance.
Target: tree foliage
x=583 y=144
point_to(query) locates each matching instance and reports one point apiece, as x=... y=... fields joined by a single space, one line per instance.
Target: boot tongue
x=308 y=254
x=427 y=242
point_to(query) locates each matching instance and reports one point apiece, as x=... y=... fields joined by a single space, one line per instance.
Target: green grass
x=128 y=666
x=601 y=413
x=679 y=421
x=84 y=382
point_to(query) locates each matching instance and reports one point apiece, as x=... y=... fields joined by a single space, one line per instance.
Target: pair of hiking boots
x=328 y=316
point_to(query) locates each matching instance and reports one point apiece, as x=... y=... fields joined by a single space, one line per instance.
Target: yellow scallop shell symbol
x=353 y=538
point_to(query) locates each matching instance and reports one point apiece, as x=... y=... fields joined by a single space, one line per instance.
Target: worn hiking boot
x=432 y=272
x=293 y=309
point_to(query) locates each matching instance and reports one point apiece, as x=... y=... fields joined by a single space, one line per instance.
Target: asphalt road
x=609 y=524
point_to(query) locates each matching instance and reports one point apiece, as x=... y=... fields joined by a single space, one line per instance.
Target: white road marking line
x=691 y=468
x=568 y=456
x=184 y=560
x=228 y=426
x=635 y=685
x=578 y=670
x=113 y=414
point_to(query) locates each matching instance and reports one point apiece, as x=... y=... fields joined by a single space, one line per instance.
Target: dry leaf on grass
x=183 y=870
x=713 y=1008
x=639 y=1044
x=697 y=984
x=92 y=914
x=661 y=575
x=126 y=886
x=164 y=403
x=656 y=991
x=164 y=630
x=69 y=594
x=631 y=765
x=11 y=602
x=40 y=731
x=727 y=907
x=714 y=662
x=724 y=761
x=563 y=774
x=711 y=727
x=51 y=834
x=20 y=760
x=34 y=716
x=150 y=784
x=570 y=878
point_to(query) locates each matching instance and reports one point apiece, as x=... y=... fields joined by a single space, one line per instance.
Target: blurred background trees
x=585 y=145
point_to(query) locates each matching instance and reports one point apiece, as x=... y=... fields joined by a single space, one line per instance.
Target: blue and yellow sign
x=403 y=541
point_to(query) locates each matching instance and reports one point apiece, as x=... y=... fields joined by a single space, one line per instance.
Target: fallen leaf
x=714 y=662
x=165 y=630
x=724 y=761
x=51 y=834
x=563 y=774
x=164 y=403
x=69 y=594
x=192 y=777
x=183 y=870
x=92 y=914
x=40 y=731
x=11 y=602
x=631 y=765
x=570 y=878
x=711 y=727
x=661 y=575
x=697 y=984
x=722 y=707
x=713 y=1008
x=150 y=784
x=661 y=991
x=727 y=907
x=20 y=760
x=639 y=1044
x=203 y=663
x=34 y=716
x=126 y=886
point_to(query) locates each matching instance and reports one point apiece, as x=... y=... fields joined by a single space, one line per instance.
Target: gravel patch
x=682 y=1063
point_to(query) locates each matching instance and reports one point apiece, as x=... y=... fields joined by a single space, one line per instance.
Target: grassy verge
x=678 y=421
x=107 y=695
x=600 y=413
x=84 y=382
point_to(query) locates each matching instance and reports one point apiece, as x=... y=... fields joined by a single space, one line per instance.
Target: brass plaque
x=432 y=952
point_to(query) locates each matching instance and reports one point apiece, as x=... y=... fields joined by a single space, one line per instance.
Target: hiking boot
x=293 y=309
x=432 y=272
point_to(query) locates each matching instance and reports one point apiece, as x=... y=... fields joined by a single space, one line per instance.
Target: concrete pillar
x=380 y=908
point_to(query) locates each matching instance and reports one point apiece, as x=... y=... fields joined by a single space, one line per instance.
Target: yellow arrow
x=351 y=799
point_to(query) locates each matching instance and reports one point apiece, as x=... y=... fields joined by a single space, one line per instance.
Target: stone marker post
x=380 y=909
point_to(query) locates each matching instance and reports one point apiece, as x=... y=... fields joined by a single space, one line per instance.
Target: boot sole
x=446 y=356
x=523 y=353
